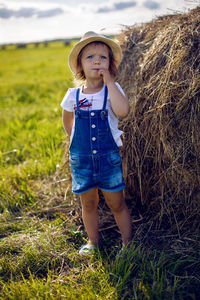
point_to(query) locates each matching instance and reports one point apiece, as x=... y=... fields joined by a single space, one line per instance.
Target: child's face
x=94 y=58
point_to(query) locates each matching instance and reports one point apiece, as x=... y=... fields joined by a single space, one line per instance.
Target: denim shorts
x=102 y=171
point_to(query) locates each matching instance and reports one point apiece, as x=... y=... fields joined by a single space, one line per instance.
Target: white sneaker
x=87 y=249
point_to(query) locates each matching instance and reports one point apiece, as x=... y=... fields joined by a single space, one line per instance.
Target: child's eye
x=103 y=57
x=89 y=56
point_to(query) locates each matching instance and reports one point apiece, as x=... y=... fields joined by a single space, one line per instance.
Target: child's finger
x=100 y=72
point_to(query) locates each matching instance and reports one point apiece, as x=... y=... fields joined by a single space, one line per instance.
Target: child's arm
x=119 y=102
x=68 y=118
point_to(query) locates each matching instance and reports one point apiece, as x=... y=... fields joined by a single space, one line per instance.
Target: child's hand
x=107 y=78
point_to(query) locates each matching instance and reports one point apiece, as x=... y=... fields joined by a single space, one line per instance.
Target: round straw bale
x=160 y=73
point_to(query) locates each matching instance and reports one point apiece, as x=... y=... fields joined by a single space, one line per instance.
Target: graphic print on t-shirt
x=83 y=104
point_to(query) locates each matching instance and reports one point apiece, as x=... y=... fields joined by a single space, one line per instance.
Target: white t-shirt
x=93 y=102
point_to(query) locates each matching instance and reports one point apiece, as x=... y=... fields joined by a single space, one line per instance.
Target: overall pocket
x=114 y=159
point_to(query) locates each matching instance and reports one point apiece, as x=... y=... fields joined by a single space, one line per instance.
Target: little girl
x=90 y=118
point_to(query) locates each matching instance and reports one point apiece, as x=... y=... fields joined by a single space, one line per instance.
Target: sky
x=38 y=20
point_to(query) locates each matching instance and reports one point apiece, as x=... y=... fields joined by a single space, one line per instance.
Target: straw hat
x=89 y=37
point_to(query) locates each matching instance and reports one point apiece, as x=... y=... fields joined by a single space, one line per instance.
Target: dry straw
x=160 y=72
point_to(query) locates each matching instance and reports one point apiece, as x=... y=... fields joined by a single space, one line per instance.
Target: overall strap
x=77 y=111
x=105 y=97
x=77 y=98
x=103 y=112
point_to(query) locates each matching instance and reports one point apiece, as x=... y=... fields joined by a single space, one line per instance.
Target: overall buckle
x=103 y=114
x=77 y=114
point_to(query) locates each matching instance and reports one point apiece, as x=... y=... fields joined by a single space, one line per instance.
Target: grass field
x=40 y=224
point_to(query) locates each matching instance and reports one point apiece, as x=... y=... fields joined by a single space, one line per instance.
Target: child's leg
x=89 y=202
x=121 y=213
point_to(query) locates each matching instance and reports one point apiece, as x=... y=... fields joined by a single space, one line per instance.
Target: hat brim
x=72 y=59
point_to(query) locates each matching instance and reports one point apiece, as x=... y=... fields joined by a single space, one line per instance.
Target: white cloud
x=151 y=4
x=27 y=12
x=115 y=6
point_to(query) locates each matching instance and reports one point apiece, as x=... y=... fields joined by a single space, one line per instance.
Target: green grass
x=33 y=82
x=40 y=223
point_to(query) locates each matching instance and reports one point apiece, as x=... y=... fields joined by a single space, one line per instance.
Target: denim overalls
x=94 y=155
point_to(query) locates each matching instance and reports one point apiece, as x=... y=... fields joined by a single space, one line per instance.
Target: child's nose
x=97 y=60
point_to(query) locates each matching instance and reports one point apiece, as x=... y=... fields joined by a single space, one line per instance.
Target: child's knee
x=117 y=206
x=89 y=205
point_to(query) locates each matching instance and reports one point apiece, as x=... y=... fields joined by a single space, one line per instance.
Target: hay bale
x=160 y=72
